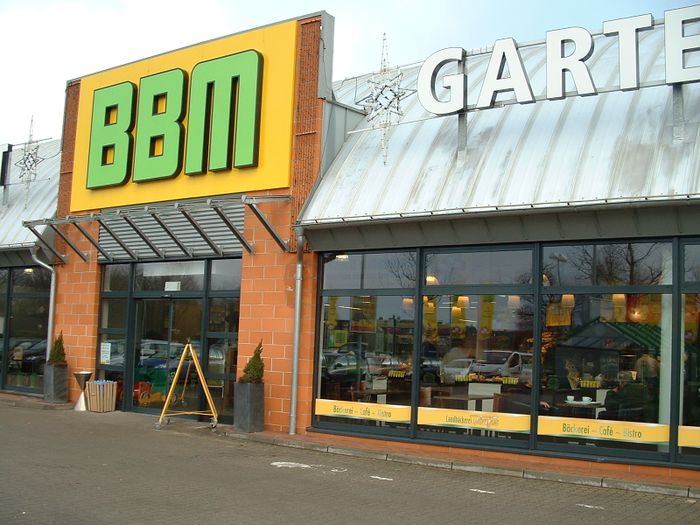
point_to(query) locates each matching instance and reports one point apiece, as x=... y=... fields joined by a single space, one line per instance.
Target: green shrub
x=58 y=352
x=253 y=371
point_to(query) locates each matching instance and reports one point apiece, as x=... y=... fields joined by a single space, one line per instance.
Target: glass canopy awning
x=174 y=230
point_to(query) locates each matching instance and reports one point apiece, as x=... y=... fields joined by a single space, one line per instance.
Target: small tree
x=253 y=371
x=58 y=352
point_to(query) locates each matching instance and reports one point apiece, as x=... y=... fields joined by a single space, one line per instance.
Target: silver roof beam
x=92 y=241
x=169 y=232
x=81 y=254
x=236 y=232
x=143 y=236
x=252 y=203
x=198 y=229
x=116 y=237
x=45 y=244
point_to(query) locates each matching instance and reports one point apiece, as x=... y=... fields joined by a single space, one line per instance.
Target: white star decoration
x=383 y=104
x=29 y=161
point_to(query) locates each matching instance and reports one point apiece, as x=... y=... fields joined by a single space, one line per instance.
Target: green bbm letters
x=110 y=137
x=223 y=123
x=162 y=127
x=212 y=102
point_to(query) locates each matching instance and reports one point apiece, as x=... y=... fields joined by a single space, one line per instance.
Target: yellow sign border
x=688 y=436
x=278 y=45
x=603 y=429
x=482 y=420
x=359 y=410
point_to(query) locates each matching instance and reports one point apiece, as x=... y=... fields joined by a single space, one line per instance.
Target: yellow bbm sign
x=211 y=119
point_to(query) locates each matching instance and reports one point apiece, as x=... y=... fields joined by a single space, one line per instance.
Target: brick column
x=267 y=283
x=77 y=282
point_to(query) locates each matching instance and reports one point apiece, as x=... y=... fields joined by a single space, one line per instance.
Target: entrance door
x=163 y=328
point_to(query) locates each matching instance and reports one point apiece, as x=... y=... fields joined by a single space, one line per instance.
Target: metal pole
x=297 y=329
x=52 y=299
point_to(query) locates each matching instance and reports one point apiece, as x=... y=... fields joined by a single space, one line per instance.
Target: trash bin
x=101 y=395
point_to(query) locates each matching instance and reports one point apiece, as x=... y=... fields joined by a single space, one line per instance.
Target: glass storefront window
x=113 y=313
x=3 y=280
x=27 y=342
x=476 y=365
x=478 y=268
x=691 y=263
x=224 y=314
x=32 y=279
x=225 y=274
x=370 y=271
x=366 y=359
x=689 y=432
x=115 y=278
x=606 y=370
x=112 y=351
x=170 y=276
x=607 y=264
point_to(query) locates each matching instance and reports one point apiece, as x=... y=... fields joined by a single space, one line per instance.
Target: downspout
x=52 y=298
x=297 y=329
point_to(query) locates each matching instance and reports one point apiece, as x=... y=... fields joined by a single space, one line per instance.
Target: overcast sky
x=48 y=42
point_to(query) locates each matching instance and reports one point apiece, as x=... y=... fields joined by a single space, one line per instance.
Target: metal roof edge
x=492 y=211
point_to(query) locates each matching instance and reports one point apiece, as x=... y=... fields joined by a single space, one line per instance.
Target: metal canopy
x=175 y=230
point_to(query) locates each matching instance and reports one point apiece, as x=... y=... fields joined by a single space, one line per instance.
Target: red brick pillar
x=268 y=276
x=77 y=282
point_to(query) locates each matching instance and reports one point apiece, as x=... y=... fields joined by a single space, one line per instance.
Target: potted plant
x=56 y=373
x=249 y=396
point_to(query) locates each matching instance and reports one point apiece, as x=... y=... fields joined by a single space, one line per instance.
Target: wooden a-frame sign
x=188 y=351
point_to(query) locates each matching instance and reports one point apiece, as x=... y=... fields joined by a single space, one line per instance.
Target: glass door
x=163 y=328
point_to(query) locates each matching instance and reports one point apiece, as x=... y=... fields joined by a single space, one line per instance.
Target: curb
x=25 y=401
x=542 y=475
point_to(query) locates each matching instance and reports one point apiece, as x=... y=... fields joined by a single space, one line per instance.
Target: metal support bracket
x=81 y=254
x=92 y=241
x=249 y=247
x=143 y=236
x=169 y=232
x=252 y=203
x=199 y=229
x=46 y=245
x=116 y=237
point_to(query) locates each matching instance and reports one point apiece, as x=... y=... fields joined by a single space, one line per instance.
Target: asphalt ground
x=66 y=467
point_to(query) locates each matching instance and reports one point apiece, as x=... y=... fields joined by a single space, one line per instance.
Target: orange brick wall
x=268 y=276
x=267 y=284
x=77 y=282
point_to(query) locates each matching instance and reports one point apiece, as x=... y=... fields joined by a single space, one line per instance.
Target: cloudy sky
x=48 y=42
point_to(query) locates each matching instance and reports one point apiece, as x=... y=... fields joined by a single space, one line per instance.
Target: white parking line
x=482 y=491
x=382 y=479
x=589 y=506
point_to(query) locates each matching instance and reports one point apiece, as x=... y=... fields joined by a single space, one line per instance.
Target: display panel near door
x=163 y=328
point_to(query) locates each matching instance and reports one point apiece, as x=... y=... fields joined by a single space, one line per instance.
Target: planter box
x=248 y=407
x=56 y=383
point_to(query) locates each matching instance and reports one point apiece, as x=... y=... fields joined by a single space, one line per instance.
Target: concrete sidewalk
x=656 y=480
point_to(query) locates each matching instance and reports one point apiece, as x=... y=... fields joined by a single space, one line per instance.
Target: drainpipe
x=297 y=329
x=52 y=298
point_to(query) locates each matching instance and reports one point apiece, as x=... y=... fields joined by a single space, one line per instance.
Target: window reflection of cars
x=516 y=363
x=492 y=364
x=160 y=354
x=345 y=369
x=456 y=370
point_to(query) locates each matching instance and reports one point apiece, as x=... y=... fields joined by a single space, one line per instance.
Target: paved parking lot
x=65 y=467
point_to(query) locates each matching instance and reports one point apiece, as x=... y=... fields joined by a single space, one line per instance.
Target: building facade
x=512 y=265
x=510 y=268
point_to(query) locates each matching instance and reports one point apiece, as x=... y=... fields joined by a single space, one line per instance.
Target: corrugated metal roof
x=614 y=146
x=22 y=200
